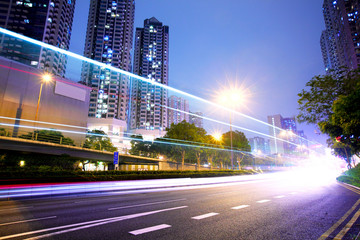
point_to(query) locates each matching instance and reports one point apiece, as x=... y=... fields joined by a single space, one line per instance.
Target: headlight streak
x=234 y=126
x=103 y=65
x=128 y=138
x=94 y=134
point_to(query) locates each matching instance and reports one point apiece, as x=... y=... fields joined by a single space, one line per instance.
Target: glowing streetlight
x=217 y=136
x=231 y=98
x=44 y=79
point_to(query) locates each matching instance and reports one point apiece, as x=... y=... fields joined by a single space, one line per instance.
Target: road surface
x=272 y=208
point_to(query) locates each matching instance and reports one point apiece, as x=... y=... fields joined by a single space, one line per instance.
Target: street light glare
x=217 y=136
x=46 y=77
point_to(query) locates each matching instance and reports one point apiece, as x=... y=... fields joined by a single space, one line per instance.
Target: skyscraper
x=49 y=21
x=340 y=42
x=286 y=135
x=151 y=60
x=178 y=110
x=259 y=145
x=196 y=118
x=109 y=40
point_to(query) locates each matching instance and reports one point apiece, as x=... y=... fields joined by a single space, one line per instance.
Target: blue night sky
x=272 y=48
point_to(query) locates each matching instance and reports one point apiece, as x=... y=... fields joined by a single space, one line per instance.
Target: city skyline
x=262 y=66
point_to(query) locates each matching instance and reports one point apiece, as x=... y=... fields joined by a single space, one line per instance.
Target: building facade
x=109 y=39
x=259 y=145
x=178 y=110
x=340 y=41
x=63 y=102
x=286 y=139
x=196 y=118
x=49 y=21
x=151 y=60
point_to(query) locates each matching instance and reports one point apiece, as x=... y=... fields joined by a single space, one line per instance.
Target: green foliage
x=315 y=102
x=4 y=132
x=97 y=140
x=10 y=159
x=140 y=147
x=185 y=131
x=51 y=136
x=351 y=176
x=332 y=103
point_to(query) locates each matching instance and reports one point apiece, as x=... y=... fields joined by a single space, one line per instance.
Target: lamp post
x=217 y=136
x=45 y=79
x=233 y=97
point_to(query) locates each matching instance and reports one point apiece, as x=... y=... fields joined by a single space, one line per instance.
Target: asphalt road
x=268 y=209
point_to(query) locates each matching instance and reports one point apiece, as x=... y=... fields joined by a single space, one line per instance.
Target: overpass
x=30 y=146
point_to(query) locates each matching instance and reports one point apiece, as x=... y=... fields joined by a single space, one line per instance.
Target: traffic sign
x=116 y=157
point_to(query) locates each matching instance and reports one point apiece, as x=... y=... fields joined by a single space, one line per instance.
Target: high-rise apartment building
x=340 y=42
x=286 y=138
x=109 y=40
x=178 y=110
x=260 y=145
x=151 y=60
x=49 y=21
x=196 y=118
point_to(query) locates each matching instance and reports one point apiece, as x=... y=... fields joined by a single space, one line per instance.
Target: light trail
x=105 y=66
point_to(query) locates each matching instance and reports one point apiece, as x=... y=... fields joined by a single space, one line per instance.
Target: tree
x=51 y=136
x=98 y=140
x=189 y=133
x=331 y=103
x=315 y=103
x=240 y=144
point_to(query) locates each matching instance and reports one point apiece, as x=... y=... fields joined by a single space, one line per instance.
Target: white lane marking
x=263 y=201
x=9 y=209
x=149 y=229
x=280 y=196
x=146 y=204
x=205 y=216
x=88 y=224
x=29 y=220
x=219 y=193
x=240 y=207
x=293 y=193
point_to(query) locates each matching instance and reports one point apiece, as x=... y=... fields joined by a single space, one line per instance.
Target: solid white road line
x=240 y=207
x=149 y=229
x=280 y=196
x=88 y=224
x=205 y=216
x=263 y=201
x=146 y=204
x=29 y=220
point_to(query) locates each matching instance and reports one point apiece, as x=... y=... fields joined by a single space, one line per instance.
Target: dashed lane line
x=240 y=207
x=147 y=204
x=263 y=201
x=84 y=225
x=280 y=196
x=205 y=216
x=149 y=229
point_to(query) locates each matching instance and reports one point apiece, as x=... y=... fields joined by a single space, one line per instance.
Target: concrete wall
x=62 y=101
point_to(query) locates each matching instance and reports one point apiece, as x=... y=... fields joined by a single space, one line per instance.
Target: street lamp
x=44 y=79
x=231 y=98
x=217 y=136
